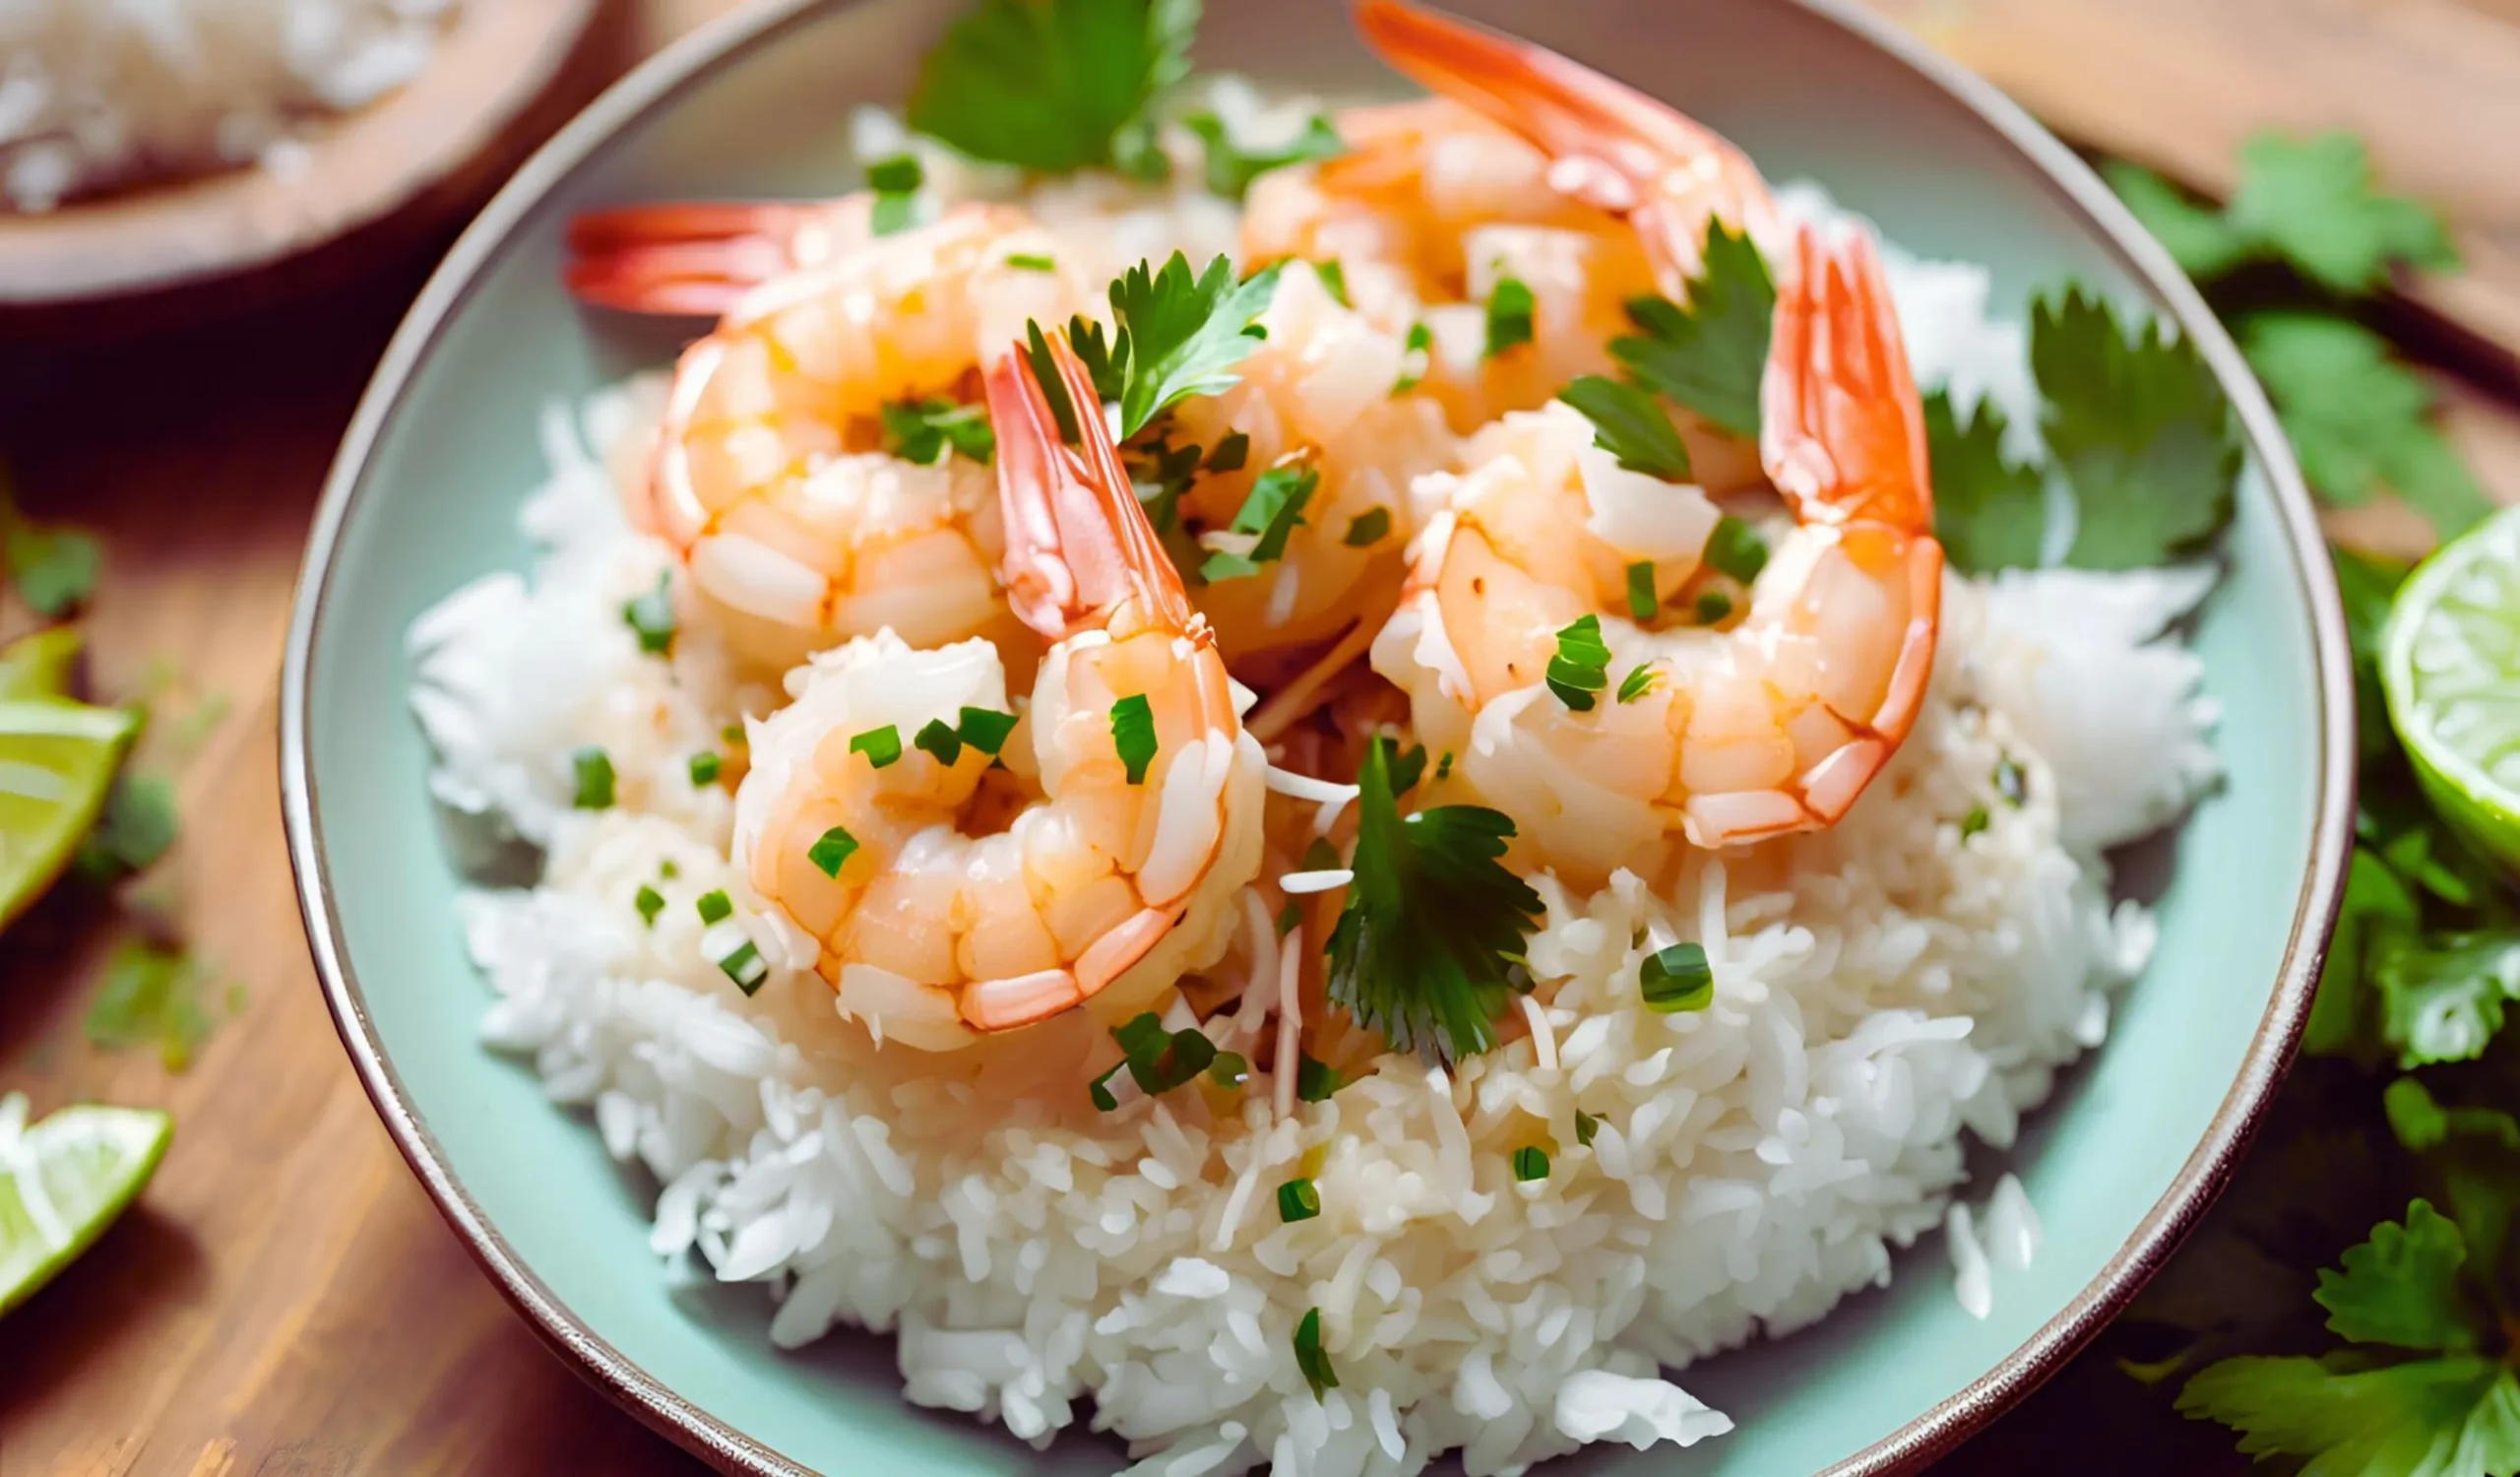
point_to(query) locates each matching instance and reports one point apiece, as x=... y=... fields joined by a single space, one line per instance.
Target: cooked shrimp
x=699 y=258
x=768 y=480
x=948 y=900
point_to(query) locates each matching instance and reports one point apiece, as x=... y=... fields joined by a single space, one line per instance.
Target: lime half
x=38 y=665
x=57 y=761
x=2450 y=665
x=63 y=1181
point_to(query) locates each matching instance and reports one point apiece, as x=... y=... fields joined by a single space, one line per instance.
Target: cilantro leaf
x=2422 y=1124
x=1989 y=513
x=2342 y=1013
x=1271 y=509
x=1709 y=356
x=1582 y=664
x=1233 y=165
x=1629 y=424
x=138 y=827
x=2312 y=201
x=54 y=567
x=2196 y=236
x=2140 y=428
x=2402 y=1286
x=1054 y=84
x=1184 y=334
x=2442 y=994
x=2357 y=420
x=2451 y=1416
x=155 y=996
x=1429 y=942
x=922 y=430
x=1510 y=306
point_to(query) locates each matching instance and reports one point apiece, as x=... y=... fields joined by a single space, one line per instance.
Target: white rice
x=1882 y=990
x=93 y=92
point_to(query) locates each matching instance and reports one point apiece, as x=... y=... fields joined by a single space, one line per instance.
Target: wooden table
x=284 y=1299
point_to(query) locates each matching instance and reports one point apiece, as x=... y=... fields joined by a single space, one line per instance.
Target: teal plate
x=424 y=497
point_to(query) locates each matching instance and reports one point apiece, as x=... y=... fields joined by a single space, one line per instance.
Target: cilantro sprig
x=1182 y=335
x=2309 y=202
x=1055 y=84
x=1428 y=948
x=1271 y=512
x=1710 y=355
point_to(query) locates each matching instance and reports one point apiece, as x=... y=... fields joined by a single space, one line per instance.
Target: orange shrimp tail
x=698 y=260
x=1078 y=546
x=1841 y=430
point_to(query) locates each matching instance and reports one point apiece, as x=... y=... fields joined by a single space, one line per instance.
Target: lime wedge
x=2451 y=667
x=38 y=665
x=57 y=760
x=63 y=1181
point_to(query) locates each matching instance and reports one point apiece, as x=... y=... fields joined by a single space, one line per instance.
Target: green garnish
x=1229 y=1069
x=830 y=851
x=668 y=870
x=896 y=184
x=1297 y=1200
x=1416 y=355
x=1316 y=1081
x=2141 y=431
x=1582 y=664
x=1586 y=1125
x=1309 y=1358
x=1975 y=821
x=1640 y=679
x=1272 y=510
x=1642 y=602
x=1233 y=449
x=1710 y=607
x=594 y=769
x=733 y=732
x=744 y=965
x=1054 y=85
x=713 y=906
x=1444 y=767
x=983 y=728
x=938 y=739
x=1630 y=424
x=1231 y=166
x=650 y=902
x=1429 y=942
x=1989 y=513
x=2012 y=782
x=2359 y=421
x=1159 y=1060
x=1711 y=354
x=1369 y=528
x=1133 y=735
x=138 y=825
x=1290 y=915
x=705 y=768
x=154 y=997
x=53 y=567
x=1320 y=856
x=881 y=747
x=1531 y=1161
x=651 y=617
x=2308 y=202
x=1334 y=280
x=1677 y=979
x=1736 y=549
x=1510 y=306
x=1181 y=336
x=2442 y=995
x=1406 y=770
x=1027 y=261
x=922 y=430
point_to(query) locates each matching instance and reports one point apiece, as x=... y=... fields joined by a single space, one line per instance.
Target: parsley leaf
x=138 y=827
x=2357 y=420
x=1510 y=306
x=1271 y=510
x=2451 y=1416
x=1429 y=942
x=155 y=996
x=2402 y=1286
x=1709 y=356
x=2197 y=234
x=2140 y=428
x=1183 y=335
x=1133 y=735
x=1582 y=664
x=1989 y=513
x=2442 y=994
x=2311 y=202
x=1232 y=166
x=1630 y=424
x=921 y=430
x=1054 y=84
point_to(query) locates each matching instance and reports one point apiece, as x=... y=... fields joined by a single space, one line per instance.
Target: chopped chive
x=983 y=728
x=650 y=902
x=1444 y=767
x=897 y=175
x=1234 y=451
x=1736 y=549
x=668 y=870
x=1029 y=261
x=1315 y=1081
x=594 y=779
x=1711 y=606
x=893 y=213
x=1641 y=602
x=829 y=850
x=1290 y=915
x=1975 y=821
x=1641 y=678
x=1509 y=315
x=1677 y=979
x=1309 y=1358
x=940 y=741
x=1416 y=355
x=745 y=967
x=1531 y=1161
x=1297 y=1200
x=1230 y=1069
x=1320 y=856
x=1367 y=528
x=2011 y=782
x=1133 y=735
x=705 y=768
x=1406 y=770
x=1581 y=667
x=1159 y=1060
x=1271 y=512
x=651 y=616
x=1334 y=280
x=1586 y=1125
x=881 y=747
x=1100 y=1087
x=713 y=906
x=733 y=732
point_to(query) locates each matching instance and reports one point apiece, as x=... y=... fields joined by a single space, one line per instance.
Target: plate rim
x=730 y=37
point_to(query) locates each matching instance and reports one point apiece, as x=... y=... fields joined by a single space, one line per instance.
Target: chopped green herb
x=1642 y=602
x=705 y=768
x=138 y=827
x=1369 y=528
x=1231 y=166
x=1054 y=85
x=668 y=870
x=1711 y=354
x=1581 y=667
x=1025 y=261
x=1320 y=856
x=1406 y=770
x=2311 y=202
x=2442 y=995
x=1711 y=606
x=983 y=728
x=881 y=747
x=923 y=431
x=1297 y=1200
x=1444 y=767
x=1989 y=513
x=650 y=902
x=1334 y=280
x=1045 y=373
x=1230 y=1069
x=2012 y=782
x=1975 y=821
x=1290 y=915
x=650 y=616
x=53 y=567
x=1233 y=450
x=1510 y=306
x=745 y=966
x=1316 y=1081
x=1159 y=1060
x=1429 y=942
x=1133 y=735
x=714 y=907
x=1160 y=474
x=1586 y=1125
x=1677 y=979
x=154 y=996
x=938 y=739
x=733 y=732
x=1630 y=424
x=830 y=851
x=1736 y=549
x=1271 y=512
x=1531 y=1161
x=1416 y=355
x=1640 y=679
x=1100 y=1090
x=594 y=779
x=1182 y=336
x=897 y=175
x=1309 y=1358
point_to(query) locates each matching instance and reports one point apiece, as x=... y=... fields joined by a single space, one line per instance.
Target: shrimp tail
x=698 y=259
x=1079 y=548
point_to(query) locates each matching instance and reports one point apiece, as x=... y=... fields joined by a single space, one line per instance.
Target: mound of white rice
x=1882 y=989
x=97 y=91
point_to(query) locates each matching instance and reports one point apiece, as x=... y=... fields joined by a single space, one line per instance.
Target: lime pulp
x=2450 y=668
x=64 y=1181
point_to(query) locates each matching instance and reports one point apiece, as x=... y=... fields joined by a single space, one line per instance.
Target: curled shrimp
x=1765 y=723
x=947 y=899
x=768 y=478
x=700 y=258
